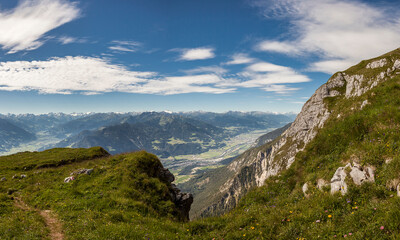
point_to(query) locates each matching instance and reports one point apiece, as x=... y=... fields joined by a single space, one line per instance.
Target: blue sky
x=182 y=55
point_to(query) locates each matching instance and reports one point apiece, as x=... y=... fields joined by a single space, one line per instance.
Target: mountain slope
x=252 y=168
x=160 y=133
x=91 y=122
x=127 y=196
x=11 y=135
x=268 y=137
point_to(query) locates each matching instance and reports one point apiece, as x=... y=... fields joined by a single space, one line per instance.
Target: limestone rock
x=338 y=181
x=358 y=174
x=82 y=171
x=321 y=183
x=398 y=190
x=377 y=64
x=305 y=189
x=396 y=65
x=363 y=104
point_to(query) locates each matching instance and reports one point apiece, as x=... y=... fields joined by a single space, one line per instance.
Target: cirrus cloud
x=23 y=27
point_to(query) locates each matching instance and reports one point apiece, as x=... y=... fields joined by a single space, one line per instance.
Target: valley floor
x=185 y=167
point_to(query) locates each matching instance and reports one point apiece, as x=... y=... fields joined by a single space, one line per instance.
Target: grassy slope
x=279 y=210
x=122 y=199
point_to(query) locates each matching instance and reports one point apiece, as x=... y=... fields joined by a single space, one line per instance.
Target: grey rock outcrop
x=377 y=64
x=338 y=182
x=166 y=175
x=82 y=171
x=183 y=201
x=358 y=174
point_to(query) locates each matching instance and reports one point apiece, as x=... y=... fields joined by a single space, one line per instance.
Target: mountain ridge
x=257 y=165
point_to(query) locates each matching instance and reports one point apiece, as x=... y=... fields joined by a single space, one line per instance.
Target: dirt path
x=51 y=221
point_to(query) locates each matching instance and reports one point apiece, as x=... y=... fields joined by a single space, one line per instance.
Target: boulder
x=69 y=179
x=338 y=181
x=305 y=189
x=82 y=171
x=358 y=174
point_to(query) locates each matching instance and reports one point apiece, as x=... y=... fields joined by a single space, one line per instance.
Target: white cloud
x=91 y=76
x=67 y=75
x=271 y=77
x=281 y=89
x=206 y=83
x=196 y=53
x=208 y=69
x=267 y=67
x=23 y=27
x=338 y=31
x=281 y=47
x=125 y=46
x=331 y=66
x=68 y=40
x=240 y=58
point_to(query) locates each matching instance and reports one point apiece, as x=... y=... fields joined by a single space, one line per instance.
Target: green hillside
x=124 y=197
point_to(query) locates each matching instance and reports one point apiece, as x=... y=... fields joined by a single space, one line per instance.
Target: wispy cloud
x=125 y=46
x=68 y=40
x=271 y=77
x=23 y=27
x=88 y=75
x=240 y=58
x=190 y=54
x=207 y=69
x=68 y=75
x=281 y=47
x=92 y=75
x=205 y=83
x=340 y=32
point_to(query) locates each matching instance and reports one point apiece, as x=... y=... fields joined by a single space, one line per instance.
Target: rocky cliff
x=256 y=165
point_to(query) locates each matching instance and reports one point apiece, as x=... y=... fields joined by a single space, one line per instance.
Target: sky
x=182 y=55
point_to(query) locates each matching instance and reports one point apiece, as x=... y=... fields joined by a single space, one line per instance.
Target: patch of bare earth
x=50 y=219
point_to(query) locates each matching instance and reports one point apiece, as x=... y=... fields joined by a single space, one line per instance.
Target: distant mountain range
x=11 y=135
x=163 y=133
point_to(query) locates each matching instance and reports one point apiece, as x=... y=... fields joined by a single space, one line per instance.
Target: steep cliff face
x=252 y=168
